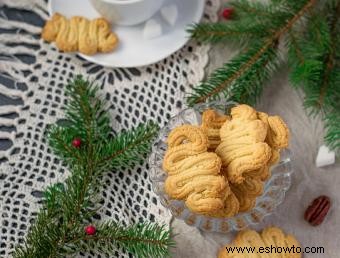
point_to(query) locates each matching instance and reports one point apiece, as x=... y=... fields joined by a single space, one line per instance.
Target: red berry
x=227 y=13
x=76 y=143
x=90 y=230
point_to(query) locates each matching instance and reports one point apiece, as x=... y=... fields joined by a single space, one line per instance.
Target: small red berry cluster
x=90 y=230
x=227 y=13
x=76 y=143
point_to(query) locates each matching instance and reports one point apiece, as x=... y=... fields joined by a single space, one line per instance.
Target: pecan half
x=317 y=210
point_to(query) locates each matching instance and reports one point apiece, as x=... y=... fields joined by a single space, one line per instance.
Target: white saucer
x=134 y=50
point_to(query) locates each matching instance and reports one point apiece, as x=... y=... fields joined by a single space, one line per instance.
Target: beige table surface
x=308 y=180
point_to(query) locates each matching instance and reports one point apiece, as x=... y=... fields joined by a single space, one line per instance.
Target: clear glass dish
x=274 y=189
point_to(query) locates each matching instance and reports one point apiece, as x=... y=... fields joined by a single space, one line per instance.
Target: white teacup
x=127 y=12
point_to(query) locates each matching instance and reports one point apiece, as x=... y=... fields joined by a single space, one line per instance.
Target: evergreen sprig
x=136 y=143
x=137 y=239
x=310 y=29
x=241 y=79
x=314 y=58
x=68 y=207
x=253 y=21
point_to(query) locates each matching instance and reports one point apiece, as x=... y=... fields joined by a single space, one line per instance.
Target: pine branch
x=261 y=13
x=311 y=31
x=36 y=246
x=240 y=33
x=311 y=48
x=143 y=240
x=232 y=73
x=332 y=126
x=251 y=21
x=331 y=55
x=258 y=10
x=330 y=88
x=67 y=206
x=86 y=112
x=295 y=51
x=59 y=140
x=134 y=143
x=241 y=79
x=318 y=72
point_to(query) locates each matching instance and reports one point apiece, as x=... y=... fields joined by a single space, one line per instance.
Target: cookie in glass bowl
x=221 y=166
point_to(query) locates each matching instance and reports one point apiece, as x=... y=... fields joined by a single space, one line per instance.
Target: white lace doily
x=35 y=73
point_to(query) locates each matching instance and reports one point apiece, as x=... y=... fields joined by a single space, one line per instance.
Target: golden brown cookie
x=271 y=237
x=262 y=173
x=192 y=176
x=264 y=118
x=80 y=34
x=243 y=148
x=249 y=238
x=243 y=112
x=246 y=202
x=243 y=132
x=247 y=192
x=246 y=238
x=51 y=28
x=231 y=207
x=274 y=236
x=278 y=133
x=275 y=158
x=277 y=137
x=193 y=173
x=250 y=186
x=184 y=141
x=212 y=121
x=242 y=158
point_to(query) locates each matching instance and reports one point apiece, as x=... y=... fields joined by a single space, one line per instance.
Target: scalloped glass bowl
x=274 y=189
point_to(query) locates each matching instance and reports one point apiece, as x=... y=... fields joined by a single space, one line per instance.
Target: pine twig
x=140 y=239
x=59 y=227
x=135 y=143
x=223 y=32
x=258 y=28
x=330 y=59
x=318 y=74
x=217 y=83
x=296 y=48
x=332 y=126
x=245 y=86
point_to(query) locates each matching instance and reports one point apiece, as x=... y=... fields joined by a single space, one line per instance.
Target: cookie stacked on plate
x=219 y=167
